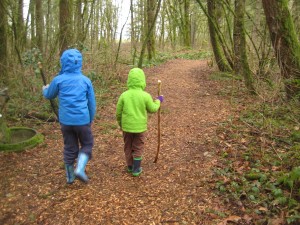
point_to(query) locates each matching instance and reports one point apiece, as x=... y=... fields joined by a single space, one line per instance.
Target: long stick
x=45 y=82
x=158 y=123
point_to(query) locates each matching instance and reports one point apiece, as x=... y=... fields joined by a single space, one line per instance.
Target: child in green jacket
x=132 y=108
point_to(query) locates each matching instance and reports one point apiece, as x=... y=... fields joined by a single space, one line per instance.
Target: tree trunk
x=48 y=25
x=32 y=24
x=140 y=63
x=78 y=21
x=20 y=26
x=150 y=22
x=214 y=39
x=65 y=24
x=285 y=43
x=39 y=24
x=187 y=24
x=162 y=32
x=296 y=15
x=3 y=42
x=241 y=65
x=133 y=34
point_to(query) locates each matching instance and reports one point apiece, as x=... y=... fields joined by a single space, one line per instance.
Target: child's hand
x=45 y=86
x=160 y=98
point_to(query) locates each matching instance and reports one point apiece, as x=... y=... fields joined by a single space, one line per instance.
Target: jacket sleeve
x=119 y=111
x=152 y=106
x=52 y=91
x=91 y=102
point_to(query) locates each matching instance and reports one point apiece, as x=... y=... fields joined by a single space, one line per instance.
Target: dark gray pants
x=77 y=138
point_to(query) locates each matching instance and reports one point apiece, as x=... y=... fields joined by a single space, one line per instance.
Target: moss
x=253 y=176
x=24 y=144
x=295 y=136
x=290 y=35
x=296 y=148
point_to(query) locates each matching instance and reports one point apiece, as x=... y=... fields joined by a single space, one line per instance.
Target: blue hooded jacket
x=77 y=104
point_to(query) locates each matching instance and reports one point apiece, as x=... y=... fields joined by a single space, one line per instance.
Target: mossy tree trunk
x=285 y=43
x=21 y=38
x=241 y=65
x=151 y=32
x=141 y=58
x=214 y=38
x=172 y=21
x=296 y=15
x=4 y=131
x=187 y=23
x=3 y=42
x=224 y=63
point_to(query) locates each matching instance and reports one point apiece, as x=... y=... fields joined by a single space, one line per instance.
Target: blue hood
x=76 y=97
x=71 y=61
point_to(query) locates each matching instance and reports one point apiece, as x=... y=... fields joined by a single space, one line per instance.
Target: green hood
x=136 y=79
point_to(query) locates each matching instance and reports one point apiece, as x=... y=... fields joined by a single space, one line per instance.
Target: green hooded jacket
x=133 y=104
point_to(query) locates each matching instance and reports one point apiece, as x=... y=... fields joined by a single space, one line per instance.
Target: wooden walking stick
x=45 y=82
x=158 y=123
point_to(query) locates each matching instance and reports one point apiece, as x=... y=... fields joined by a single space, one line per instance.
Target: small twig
x=170 y=221
x=276 y=152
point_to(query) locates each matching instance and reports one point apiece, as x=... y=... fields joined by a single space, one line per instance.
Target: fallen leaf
x=233 y=218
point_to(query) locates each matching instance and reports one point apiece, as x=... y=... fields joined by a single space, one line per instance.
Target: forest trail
x=175 y=190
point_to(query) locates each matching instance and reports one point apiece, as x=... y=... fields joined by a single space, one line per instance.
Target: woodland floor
x=178 y=189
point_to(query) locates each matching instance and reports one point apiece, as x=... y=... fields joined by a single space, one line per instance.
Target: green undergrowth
x=260 y=155
x=25 y=88
x=224 y=76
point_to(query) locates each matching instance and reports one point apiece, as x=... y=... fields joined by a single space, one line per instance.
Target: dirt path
x=176 y=190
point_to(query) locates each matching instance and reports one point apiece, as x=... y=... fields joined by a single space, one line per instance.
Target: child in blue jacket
x=77 y=108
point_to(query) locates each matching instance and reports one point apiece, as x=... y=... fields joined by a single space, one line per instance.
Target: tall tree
x=65 y=24
x=187 y=23
x=241 y=65
x=151 y=31
x=162 y=23
x=173 y=22
x=140 y=63
x=20 y=25
x=215 y=37
x=285 y=43
x=3 y=41
x=78 y=21
x=39 y=24
x=296 y=15
x=132 y=33
x=32 y=19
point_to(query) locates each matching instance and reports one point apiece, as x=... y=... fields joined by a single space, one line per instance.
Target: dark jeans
x=76 y=138
x=133 y=146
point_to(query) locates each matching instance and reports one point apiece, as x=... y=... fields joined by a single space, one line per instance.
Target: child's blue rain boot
x=70 y=173
x=80 y=170
x=137 y=169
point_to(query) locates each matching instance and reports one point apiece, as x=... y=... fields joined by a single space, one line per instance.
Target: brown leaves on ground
x=178 y=189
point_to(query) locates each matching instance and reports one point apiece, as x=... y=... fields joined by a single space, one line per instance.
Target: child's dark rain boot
x=80 y=170
x=137 y=169
x=70 y=173
x=129 y=169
